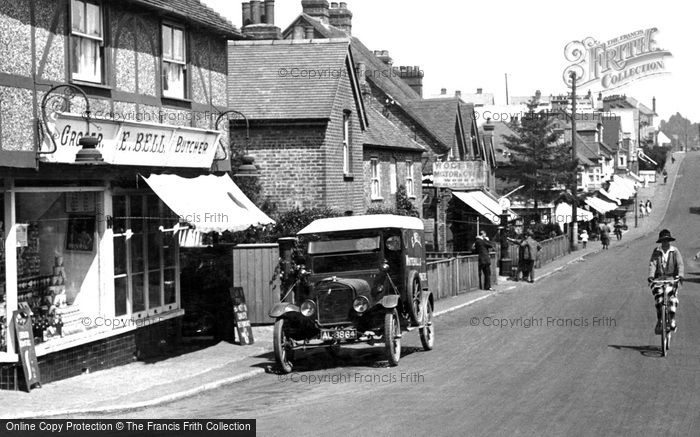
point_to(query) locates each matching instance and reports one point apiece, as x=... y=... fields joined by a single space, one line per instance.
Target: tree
x=540 y=160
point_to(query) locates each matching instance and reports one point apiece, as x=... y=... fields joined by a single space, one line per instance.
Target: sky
x=464 y=45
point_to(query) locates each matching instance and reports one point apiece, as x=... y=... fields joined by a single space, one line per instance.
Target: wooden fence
x=456 y=275
x=255 y=269
x=552 y=249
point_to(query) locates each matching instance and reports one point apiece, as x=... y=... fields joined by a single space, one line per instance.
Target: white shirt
x=664 y=256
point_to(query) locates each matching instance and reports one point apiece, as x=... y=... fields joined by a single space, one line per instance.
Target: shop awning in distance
x=484 y=204
x=209 y=203
x=563 y=213
x=600 y=205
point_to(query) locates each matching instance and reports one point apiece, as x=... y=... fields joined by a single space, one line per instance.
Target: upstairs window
x=410 y=191
x=87 y=42
x=346 y=143
x=376 y=192
x=174 y=65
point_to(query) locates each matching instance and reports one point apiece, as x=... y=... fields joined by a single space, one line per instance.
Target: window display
x=57 y=260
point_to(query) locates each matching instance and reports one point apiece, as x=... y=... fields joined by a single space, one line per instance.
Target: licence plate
x=341 y=334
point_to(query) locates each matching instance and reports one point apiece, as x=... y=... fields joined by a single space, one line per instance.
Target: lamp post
x=247 y=168
x=573 y=235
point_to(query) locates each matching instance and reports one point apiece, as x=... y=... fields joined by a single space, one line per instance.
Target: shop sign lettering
x=459 y=174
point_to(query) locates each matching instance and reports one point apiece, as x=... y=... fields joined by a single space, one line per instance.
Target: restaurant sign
x=459 y=175
x=133 y=143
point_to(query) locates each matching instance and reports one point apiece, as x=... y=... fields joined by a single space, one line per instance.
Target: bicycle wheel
x=663 y=331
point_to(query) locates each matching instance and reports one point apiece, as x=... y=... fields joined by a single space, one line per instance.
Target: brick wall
x=385 y=159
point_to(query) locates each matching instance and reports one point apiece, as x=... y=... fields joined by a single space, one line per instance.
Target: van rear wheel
x=392 y=337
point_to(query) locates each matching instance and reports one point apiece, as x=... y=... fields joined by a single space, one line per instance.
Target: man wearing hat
x=666 y=261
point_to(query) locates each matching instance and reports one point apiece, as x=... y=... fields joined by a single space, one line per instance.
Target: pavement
x=145 y=384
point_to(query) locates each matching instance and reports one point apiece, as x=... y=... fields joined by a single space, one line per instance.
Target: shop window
x=57 y=260
x=410 y=189
x=87 y=41
x=174 y=65
x=376 y=192
x=145 y=257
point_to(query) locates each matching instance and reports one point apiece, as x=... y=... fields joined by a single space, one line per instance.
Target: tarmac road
x=573 y=354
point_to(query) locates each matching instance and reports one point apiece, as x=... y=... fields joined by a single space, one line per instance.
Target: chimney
x=255 y=12
x=479 y=90
x=653 y=104
x=458 y=94
x=413 y=76
x=298 y=32
x=270 y=11
x=538 y=95
x=341 y=17
x=317 y=9
x=246 y=19
x=383 y=56
x=309 y=33
x=443 y=92
x=256 y=28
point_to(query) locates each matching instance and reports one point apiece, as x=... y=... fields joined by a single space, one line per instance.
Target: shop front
x=91 y=250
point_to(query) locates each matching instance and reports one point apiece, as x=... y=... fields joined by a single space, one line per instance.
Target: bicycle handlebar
x=673 y=281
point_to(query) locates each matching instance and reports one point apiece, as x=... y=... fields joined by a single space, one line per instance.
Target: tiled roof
x=195 y=11
x=382 y=132
x=262 y=83
x=478 y=98
x=441 y=114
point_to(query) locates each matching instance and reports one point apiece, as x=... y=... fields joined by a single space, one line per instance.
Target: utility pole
x=507 y=98
x=573 y=228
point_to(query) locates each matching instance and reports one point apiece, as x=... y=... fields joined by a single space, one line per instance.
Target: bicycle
x=667 y=286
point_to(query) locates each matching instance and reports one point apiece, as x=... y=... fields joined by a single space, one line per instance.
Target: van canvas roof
x=360 y=222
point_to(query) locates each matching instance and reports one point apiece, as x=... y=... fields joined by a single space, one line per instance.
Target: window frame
x=100 y=40
x=375 y=179
x=410 y=181
x=164 y=307
x=184 y=63
x=347 y=144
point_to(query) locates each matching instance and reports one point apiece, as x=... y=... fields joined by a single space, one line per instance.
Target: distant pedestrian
x=584 y=238
x=648 y=205
x=482 y=246
x=605 y=235
x=530 y=251
x=673 y=159
x=618 y=231
x=665 y=174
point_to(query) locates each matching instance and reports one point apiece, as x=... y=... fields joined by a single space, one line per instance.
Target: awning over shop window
x=609 y=196
x=600 y=205
x=209 y=203
x=621 y=188
x=563 y=214
x=484 y=204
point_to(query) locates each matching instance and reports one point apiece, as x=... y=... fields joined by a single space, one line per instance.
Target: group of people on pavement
x=528 y=250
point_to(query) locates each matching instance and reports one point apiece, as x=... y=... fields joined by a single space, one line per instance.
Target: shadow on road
x=647 y=351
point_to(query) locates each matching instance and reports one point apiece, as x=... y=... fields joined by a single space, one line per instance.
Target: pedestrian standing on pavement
x=584 y=238
x=673 y=159
x=530 y=251
x=605 y=235
x=648 y=205
x=665 y=174
x=618 y=230
x=481 y=247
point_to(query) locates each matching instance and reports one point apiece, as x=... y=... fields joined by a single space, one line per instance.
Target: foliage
x=541 y=161
x=681 y=131
x=404 y=206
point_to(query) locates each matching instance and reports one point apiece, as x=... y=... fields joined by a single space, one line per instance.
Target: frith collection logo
x=617 y=62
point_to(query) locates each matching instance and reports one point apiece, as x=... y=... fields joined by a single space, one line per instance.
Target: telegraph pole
x=573 y=228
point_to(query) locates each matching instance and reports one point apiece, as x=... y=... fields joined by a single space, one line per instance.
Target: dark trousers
x=485 y=271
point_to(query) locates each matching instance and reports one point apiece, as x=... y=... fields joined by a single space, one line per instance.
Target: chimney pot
x=479 y=90
x=254 y=11
x=316 y=8
x=343 y=5
x=245 y=9
x=458 y=93
x=270 y=11
x=443 y=92
x=334 y=5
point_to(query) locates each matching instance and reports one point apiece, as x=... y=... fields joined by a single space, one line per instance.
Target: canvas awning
x=600 y=205
x=609 y=196
x=484 y=204
x=563 y=214
x=209 y=203
x=621 y=188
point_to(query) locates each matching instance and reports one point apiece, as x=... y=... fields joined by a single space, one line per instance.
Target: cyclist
x=666 y=261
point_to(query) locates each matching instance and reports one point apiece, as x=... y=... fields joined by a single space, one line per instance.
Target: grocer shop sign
x=459 y=174
x=134 y=143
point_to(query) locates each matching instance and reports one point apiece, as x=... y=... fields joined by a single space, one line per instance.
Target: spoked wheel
x=392 y=337
x=284 y=352
x=427 y=332
x=415 y=303
x=664 y=339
